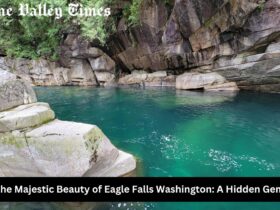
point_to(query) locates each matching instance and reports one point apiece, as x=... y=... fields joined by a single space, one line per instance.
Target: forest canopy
x=34 y=37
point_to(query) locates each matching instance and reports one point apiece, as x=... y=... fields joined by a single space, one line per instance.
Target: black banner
x=139 y=189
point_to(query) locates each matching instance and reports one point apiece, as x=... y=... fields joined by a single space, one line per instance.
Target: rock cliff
x=237 y=39
x=80 y=65
x=34 y=143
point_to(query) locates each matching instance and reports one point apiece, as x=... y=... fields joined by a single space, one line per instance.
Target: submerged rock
x=33 y=143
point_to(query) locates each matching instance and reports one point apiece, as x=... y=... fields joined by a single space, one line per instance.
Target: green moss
x=93 y=140
x=209 y=22
x=11 y=140
x=261 y=6
x=132 y=12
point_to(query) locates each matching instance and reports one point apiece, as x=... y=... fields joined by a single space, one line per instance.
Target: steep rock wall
x=201 y=36
x=79 y=65
x=239 y=40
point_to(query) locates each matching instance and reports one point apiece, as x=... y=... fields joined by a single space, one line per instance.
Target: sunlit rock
x=143 y=78
x=25 y=116
x=33 y=143
x=14 y=92
x=208 y=81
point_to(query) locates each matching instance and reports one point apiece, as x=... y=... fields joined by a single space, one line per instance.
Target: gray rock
x=45 y=73
x=62 y=76
x=62 y=149
x=169 y=81
x=25 y=116
x=201 y=34
x=273 y=47
x=14 y=92
x=136 y=77
x=228 y=86
x=102 y=63
x=158 y=74
x=142 y=78
x=6 y=76
x=81 y=73
x=32 y=143
x=75 y=46
x=262 y=75
x=103 y=77
x=192 y=81
x=3 y=64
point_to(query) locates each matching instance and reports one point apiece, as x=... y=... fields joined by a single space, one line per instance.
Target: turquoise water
x=180 y=133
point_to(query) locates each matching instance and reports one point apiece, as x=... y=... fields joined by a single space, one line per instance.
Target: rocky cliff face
x=237 y=39
x=34 y=143
x=79 y=65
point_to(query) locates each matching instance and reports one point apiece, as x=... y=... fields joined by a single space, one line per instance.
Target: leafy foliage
x=34 y=37
x=99 y=27
x=30 y=37
x=132 y=12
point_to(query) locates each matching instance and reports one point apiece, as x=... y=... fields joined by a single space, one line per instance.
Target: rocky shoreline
x=34 y=143
x=92 y=67
x=180 y=41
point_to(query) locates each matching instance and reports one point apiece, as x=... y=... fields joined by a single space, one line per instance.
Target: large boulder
x=104 y=77
x=104 y=69
x=76 y=49
x=208 y=81
x=81 y=73
x=103 y=63
x=136 y=77
x=61 y=148
x=33 y=143
x=259 y=72
x=24 y=116
x=14 y=92
x=75 y=46
x=143 y=78
x=189 y=81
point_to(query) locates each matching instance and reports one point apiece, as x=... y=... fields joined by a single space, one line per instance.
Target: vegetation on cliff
x=34 y=37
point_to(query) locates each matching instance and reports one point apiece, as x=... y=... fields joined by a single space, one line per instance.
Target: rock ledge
x=34 y=143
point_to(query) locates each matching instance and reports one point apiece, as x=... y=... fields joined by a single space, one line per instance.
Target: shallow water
x=180 y=133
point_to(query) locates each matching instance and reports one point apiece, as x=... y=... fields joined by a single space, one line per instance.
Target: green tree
x=34 y=37
x=31 y=37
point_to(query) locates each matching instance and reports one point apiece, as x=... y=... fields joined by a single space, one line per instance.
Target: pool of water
x=181 y=133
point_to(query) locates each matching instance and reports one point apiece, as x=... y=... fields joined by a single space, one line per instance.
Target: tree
x=34 y=37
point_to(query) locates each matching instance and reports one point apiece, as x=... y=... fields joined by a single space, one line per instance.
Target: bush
x=34 y=37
